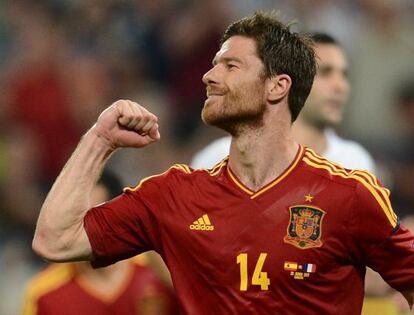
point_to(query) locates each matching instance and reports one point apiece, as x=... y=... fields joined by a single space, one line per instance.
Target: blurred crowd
x=63 y=61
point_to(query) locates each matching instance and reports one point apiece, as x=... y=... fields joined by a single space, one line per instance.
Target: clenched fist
x=127 y=124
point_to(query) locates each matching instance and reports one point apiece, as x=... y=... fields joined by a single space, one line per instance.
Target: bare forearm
x=59 y=233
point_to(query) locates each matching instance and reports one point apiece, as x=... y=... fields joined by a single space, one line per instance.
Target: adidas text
x=201 y=227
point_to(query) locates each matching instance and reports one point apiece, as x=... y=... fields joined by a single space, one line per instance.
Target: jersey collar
x=253 y=194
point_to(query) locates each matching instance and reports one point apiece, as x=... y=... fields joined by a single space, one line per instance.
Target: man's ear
x=278 y=87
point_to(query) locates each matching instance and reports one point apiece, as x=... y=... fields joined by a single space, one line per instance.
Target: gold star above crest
x=309 y=197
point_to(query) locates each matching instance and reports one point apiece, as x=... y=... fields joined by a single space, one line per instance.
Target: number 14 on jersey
x=259 y=277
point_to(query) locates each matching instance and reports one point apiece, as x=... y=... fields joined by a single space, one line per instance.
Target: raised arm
x=60 y=235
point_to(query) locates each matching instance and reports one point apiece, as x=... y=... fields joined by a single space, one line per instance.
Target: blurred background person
x=399 y=154
x=128 y=287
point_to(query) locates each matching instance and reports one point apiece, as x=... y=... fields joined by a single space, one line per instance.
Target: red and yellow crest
x=305 y=226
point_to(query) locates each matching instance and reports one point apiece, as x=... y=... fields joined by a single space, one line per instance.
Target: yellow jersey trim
x=182 y=167
x=367 y=180
x=218 y=167
x=285 y=173
x=46 y=281
x=238 y=183
x=383 y=192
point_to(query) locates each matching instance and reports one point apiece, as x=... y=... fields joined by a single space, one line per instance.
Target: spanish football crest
x=305 y=227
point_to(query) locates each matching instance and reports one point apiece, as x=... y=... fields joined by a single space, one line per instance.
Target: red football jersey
x=299 y=245
x=61 y=289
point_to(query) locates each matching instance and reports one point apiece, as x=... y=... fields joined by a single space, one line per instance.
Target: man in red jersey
x=274 y=229
x=129 y=287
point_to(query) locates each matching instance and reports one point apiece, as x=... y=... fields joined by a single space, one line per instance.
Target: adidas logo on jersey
x=202 y=224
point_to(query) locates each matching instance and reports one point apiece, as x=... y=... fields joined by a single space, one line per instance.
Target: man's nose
x=341 y=84
x=210 y=77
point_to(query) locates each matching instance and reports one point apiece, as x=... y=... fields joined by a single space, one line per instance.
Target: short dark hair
x=281 y=51
x=323 y=38
x=111 y=182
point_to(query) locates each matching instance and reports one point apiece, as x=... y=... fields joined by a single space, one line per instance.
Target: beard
x=237 y=111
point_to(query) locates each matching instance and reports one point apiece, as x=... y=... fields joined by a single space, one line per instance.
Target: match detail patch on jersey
x=299 y=271
x=305 y=227
x=202 y=224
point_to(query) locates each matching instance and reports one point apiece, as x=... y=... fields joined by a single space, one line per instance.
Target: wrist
x=100 y=140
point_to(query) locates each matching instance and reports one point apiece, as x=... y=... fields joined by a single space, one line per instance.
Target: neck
x=259 y=155
x=103 y=274
x=310 y=136
x=105 y=283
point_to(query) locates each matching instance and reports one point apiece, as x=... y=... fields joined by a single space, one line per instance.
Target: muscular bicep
x=70 y=245
x=79 y=248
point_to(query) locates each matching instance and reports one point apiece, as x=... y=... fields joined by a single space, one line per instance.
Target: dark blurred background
x=63 y=61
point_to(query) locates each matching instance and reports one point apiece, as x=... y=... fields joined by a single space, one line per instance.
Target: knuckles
x=131 y=113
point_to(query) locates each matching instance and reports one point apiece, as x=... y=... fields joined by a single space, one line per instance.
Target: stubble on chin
x=233 y=120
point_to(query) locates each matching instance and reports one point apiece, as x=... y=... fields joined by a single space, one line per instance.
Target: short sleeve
x=120 y=228
x=383 y=243
x=394 y=259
